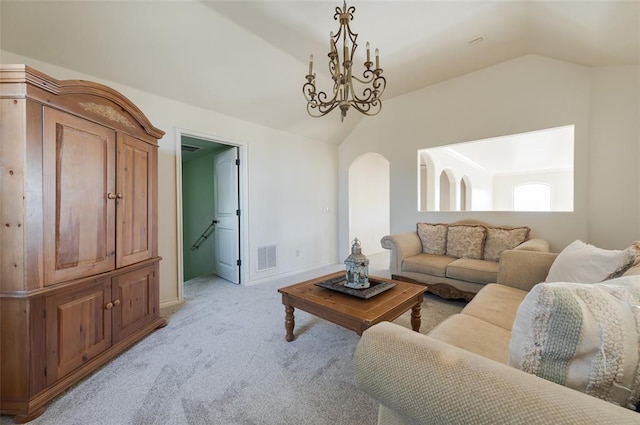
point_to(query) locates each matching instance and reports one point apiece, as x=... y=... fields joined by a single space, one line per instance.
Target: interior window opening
x=496 y=166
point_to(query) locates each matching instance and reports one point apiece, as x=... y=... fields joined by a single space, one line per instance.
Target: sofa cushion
x=500 y=239
x=496 y=304
x=435 y=265
x=585 y=337
x=475 y=335
x=479 y=271
x=633 y=271
x=584 y=263
x=466 y=241
x=433 y=238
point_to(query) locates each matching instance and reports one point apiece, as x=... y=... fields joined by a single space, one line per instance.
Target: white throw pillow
x=582 y=336
x=584 y=263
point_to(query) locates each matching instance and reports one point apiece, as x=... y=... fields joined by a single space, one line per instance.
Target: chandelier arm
x=322 y=99
x=374 y=92
x=369 y=113
x=365 y=81
x=369 y=94
x=367 y=110
x=316 y=111
x=334 y=67
x=309 y=91
x=380 y=84
x=321 y=104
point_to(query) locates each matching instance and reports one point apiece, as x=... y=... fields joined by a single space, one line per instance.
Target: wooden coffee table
x=348 y=311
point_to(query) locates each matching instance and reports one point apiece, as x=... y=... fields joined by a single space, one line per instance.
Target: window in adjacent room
x=532 y=197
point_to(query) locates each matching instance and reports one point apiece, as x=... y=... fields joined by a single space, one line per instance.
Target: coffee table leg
x=289 y=322
x=415 y=317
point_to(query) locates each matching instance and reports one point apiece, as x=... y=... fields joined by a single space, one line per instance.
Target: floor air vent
x=266 y=257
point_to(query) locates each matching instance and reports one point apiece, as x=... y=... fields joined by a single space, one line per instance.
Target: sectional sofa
x=467 y=370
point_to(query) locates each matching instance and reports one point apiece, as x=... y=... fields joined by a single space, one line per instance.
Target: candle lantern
x=357 y=265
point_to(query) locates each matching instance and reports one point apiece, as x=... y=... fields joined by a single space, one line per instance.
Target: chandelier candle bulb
x=368 y=52
x=377 y=59
x=346 y=50
x=310 y=64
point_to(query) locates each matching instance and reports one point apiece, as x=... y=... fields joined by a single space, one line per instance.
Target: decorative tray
x=337 y=284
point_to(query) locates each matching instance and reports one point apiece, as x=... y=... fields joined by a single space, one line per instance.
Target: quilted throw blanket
x=584 y=336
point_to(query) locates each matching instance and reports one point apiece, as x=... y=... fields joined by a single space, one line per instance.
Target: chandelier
x=363 y=94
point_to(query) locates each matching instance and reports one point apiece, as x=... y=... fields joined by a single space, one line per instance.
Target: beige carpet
x=223 y=359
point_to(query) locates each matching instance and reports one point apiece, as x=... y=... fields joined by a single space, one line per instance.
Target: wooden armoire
x=79 y=241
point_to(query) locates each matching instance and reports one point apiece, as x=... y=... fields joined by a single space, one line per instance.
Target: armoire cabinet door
x=134 y=295
x=136 y=178
x=78 y=327
x=79 y=197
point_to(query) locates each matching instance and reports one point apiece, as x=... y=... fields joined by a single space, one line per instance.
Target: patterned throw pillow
x=634 y=266
x=500 y=239
x=466 y=241
x=585 y=337
x=433 y=238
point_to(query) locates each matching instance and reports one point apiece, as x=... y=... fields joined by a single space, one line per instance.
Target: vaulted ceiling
x=247 y=59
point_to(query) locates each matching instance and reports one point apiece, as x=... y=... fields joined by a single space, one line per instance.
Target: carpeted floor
x=223 y=359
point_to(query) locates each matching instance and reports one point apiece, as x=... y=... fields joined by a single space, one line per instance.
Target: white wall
x=614 y=155
x=291 y=183
x=520 y=95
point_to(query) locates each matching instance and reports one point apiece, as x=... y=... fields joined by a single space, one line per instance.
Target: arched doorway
x=447 y=191
x=369 y=203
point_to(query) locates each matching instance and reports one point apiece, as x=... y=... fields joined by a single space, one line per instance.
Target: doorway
x=210 y=187
x=369 y=201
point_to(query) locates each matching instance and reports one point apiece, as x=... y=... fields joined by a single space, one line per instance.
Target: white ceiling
x=248 y=59
x=545 y=150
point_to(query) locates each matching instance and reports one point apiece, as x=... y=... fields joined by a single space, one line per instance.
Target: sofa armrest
x=402 y=245
x=539 y=245
x=426 y=381
x=523 y=269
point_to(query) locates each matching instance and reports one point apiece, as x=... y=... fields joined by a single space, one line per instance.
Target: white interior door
x=227 y=212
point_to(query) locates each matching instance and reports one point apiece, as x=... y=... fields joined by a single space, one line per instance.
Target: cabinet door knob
x=111 y=195
x=119 y=195
x=116 y=302
x=109 y=306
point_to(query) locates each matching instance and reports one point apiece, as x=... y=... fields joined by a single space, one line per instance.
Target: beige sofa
x=458 y=374
x=446 y=275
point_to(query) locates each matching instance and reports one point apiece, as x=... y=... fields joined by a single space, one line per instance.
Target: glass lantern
x=357 y=268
